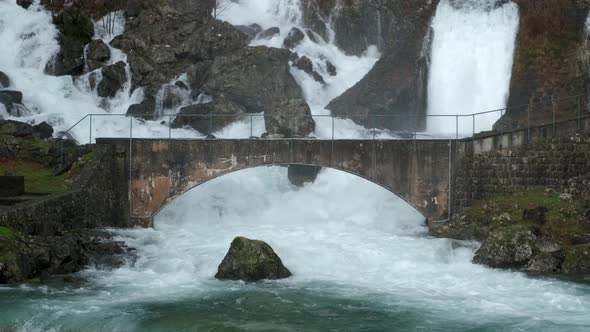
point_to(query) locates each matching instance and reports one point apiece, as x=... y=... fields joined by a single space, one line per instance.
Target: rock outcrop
x=251 y=260
x=97 y=54
x=551 y=62
x=113 y=79
x=4 y=81
x=210 y=117
x=397 y=83
x=76 y=30
x=535 y=231
x=164 y=40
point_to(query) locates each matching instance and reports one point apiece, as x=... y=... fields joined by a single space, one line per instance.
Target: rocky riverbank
x=50 y=229
x=540 y=230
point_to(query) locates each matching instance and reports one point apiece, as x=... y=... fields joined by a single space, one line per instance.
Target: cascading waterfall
x=360 y=256
x=472 y=55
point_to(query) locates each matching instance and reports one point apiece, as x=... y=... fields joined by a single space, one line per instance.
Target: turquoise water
x=360 y=258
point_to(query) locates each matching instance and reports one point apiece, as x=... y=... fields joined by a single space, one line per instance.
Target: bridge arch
x=419 y=172
x=172 y=199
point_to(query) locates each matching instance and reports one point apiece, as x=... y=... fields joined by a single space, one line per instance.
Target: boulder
x=269 y=33
x=299 y=175
x=113 y=79
x=577 y=260
x=294 y=38
x=251 y=260
x=97 y=54
x=315 y=15
x=397 y=84
x=4 y=80
x=305 y=64
x=16 y=128
x=69 y=60
x=74 y=24
x=251 y=30
x=289 y=118
x=144 y=110
x=24 y=3
x=254 y=77
x=506 y=247
x=331 y=68
x=544 y=263
x=535 y=214
x=12 y=101
x=198 y=116
x=44 y=130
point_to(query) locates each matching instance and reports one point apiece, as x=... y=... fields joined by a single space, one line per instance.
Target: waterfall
x=472 y=56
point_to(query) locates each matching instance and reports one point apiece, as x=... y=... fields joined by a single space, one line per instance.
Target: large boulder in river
x=300 y=175
x=251 y=260
x=506 y=247
x=397 y=83
x=577 y=260
x=255 y=77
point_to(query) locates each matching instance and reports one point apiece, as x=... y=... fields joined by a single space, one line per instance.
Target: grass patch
x=38 y=178
x=7 y=232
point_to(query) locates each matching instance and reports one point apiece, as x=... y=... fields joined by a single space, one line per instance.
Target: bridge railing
x=331 y=127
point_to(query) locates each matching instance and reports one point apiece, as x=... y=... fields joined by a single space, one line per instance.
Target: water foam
x=472 y=55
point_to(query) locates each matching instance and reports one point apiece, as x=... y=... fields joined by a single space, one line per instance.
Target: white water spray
x=472 y=56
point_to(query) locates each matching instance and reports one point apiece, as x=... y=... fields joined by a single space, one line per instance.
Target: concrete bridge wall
x=161 y=170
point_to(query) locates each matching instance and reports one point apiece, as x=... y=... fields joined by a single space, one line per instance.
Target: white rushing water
x=472 y=56
x=359 y=254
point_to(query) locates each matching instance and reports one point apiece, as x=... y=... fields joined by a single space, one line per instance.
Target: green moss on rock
x=577 y=259
x=251 y=260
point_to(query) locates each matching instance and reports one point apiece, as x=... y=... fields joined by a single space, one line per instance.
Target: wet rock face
x=294 y=38
x=113 y=79
x=164 y=41
x=251 y=260
x=25 y=257
x=69 y=60
x=300 y=175
x=577 y=260
x=97 y=54
x=289 y=118
x=269 y=33
x=254 y=77
x=200 y=116
x=4 y=80
x=397 y=83
x=76 y=30
x=550 y=61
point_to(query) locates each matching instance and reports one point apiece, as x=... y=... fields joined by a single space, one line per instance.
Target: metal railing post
x=170 y=127
x=473 y=127
x=130 y=144
x=251 y=126
x=332 y=115
x=456 y=126
x=210 y=124
x=90 y=131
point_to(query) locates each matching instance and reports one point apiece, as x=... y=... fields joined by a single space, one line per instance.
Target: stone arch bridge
x=160 y=170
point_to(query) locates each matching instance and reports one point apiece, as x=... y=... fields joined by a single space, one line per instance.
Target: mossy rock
x=9 y=248
x=506 y=247
x=577 y=259
x=251 y=260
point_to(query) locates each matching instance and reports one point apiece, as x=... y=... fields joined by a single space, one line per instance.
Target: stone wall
x=550 y=163
x=98 y=199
